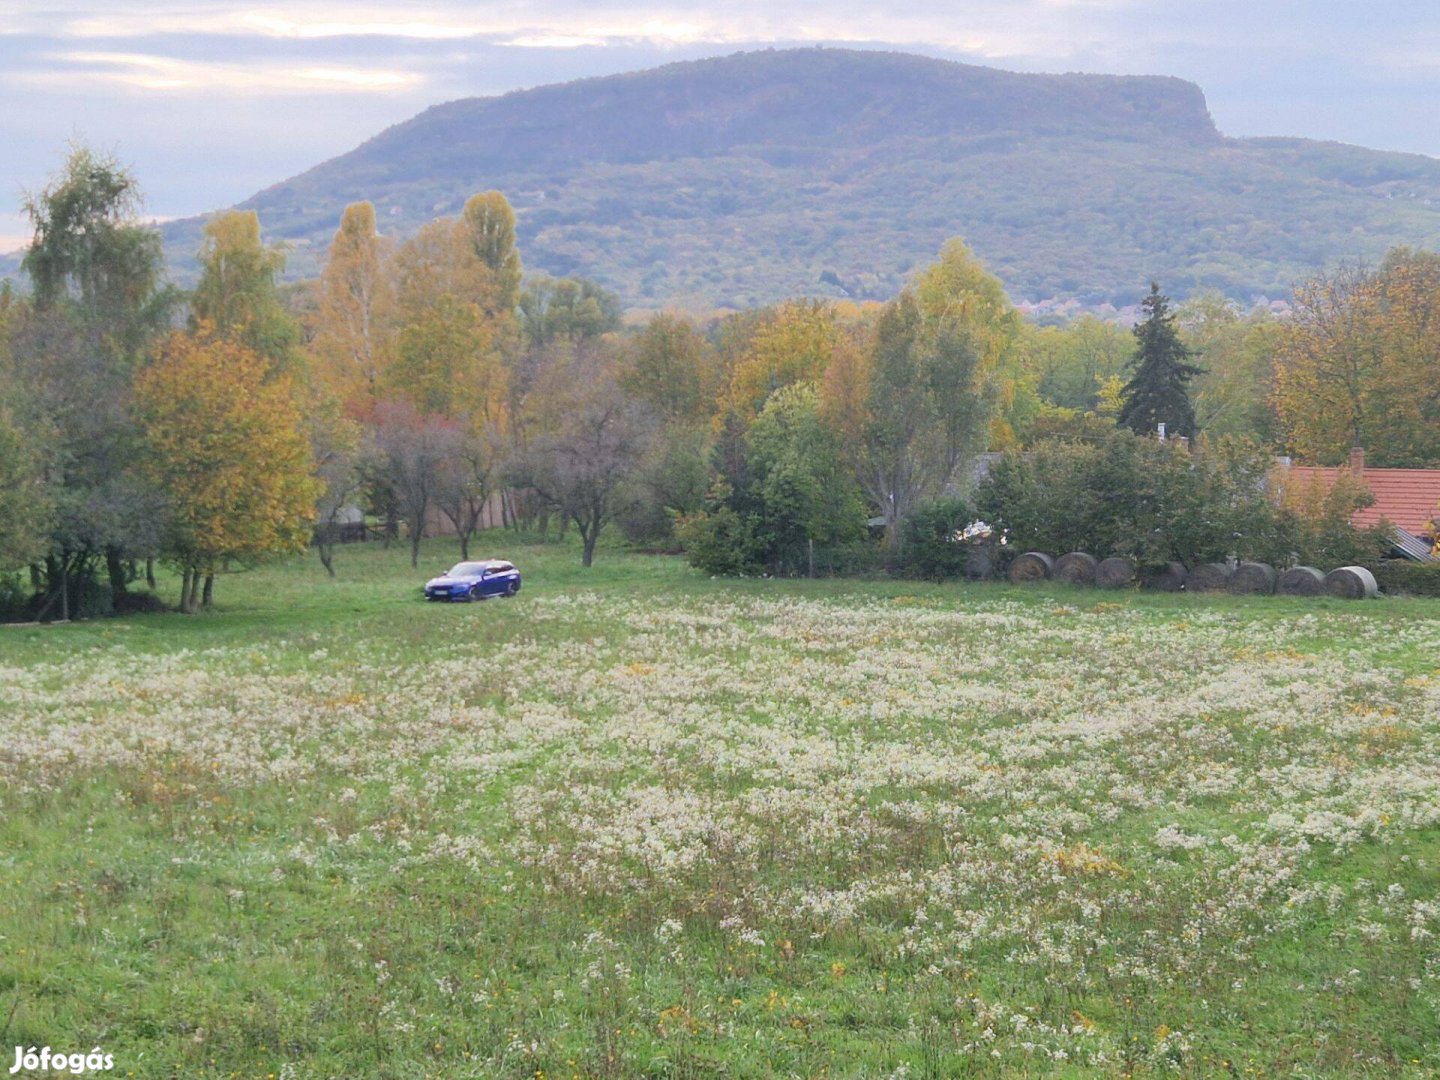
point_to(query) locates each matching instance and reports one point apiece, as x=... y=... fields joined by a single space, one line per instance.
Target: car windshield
x=467 y=569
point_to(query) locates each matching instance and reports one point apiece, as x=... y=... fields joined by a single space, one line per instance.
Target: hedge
x=1411 y=578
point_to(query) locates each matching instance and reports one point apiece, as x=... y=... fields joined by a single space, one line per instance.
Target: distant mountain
x=741 y=180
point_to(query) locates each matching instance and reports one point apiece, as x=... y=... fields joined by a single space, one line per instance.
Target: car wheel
x=474 y=594
x=512 y=588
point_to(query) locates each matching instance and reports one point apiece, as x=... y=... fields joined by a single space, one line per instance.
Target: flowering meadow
x=640 y=823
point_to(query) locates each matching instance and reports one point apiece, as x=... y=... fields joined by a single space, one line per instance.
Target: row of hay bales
x=1248 y=578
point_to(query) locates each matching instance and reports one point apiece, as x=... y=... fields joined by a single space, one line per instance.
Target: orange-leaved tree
x=228 y=447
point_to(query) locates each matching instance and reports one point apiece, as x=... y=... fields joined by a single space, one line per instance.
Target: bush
x=1318 y=513
x=933 y=549
x=16 y=603
x=1157 y=503
x=720 y=541
x=1400 y=576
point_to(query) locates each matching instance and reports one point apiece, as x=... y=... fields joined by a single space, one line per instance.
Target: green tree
x=926 y=406
x=97 y=303
x=1158 y=391
x=1236 y=350
x=572 y=308
x=804 y=493
x=488 y=222
x=237 y=294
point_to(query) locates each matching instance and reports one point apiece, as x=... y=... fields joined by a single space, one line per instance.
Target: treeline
x=428 y=381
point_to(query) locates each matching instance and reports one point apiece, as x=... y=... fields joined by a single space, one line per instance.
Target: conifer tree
x=1158 y=393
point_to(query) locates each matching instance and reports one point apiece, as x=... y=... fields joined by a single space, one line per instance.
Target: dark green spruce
x=1159 y=391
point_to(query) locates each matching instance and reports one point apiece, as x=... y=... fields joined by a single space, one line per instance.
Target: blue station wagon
x=475 y=581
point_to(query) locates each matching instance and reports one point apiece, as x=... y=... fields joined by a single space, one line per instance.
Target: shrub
x=1318 y=515
x=1135 y=496
x=16 y=602
x=1400 y=576
x=720 y=541
x=933 y=549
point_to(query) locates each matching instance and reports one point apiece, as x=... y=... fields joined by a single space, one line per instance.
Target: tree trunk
x=116 y=570
x=464 y=545
x=326 y=550
x=150 y=574
x=414 y=548
x=208 y=600
x=588 y=538
x=185 y=590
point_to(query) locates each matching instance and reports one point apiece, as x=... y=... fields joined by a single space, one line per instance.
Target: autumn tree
x=353 y=305
x=488 y=224
x=238 y=295
x=26 y=502
x=956 y=290
x=1356 y=364
x=226 y=443
x=671 y=368
x=447 y=351
x=588 y=438
x=1158 y=390
x=792 y=344
x=464 y=480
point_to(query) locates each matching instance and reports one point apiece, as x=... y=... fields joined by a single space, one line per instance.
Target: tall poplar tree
x=237 y=295
x=1158 y=392
x=350 y=332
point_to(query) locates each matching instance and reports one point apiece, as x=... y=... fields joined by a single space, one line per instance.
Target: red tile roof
x=1409 y=498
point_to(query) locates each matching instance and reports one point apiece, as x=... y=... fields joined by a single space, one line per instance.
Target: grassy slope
x=334 y=830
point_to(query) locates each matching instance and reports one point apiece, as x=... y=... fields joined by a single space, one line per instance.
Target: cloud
x=986 y=27
x=144 y=71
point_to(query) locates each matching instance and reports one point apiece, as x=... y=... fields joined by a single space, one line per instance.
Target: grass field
x=640 y=823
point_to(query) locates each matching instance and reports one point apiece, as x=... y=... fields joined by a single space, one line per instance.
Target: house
x=1407 y=498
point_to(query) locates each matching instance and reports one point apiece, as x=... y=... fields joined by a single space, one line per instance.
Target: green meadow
x=637 y=822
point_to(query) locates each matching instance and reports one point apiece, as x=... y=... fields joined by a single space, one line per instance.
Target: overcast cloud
x=210 y=102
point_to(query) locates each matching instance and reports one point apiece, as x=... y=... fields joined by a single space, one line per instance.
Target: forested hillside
x=739 y=181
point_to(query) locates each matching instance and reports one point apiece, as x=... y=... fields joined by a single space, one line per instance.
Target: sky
x=209 y=102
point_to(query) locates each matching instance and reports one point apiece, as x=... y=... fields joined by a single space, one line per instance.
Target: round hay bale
x=1167 y=578
x=1032 y=566
x=1116 y=572
x=1253 y=579
x=1209 y=577
x=1351 y=583
x=1076 y=568
x=1301 y=581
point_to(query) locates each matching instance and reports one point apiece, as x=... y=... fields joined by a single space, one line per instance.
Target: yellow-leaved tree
x=958 y=290
x=228 y=448
x=447 y=350
x=351 y=335
x=793 y=344
x=1355 y=364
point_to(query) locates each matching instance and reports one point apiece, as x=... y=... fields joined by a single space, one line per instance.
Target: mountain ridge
x=739 y=180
